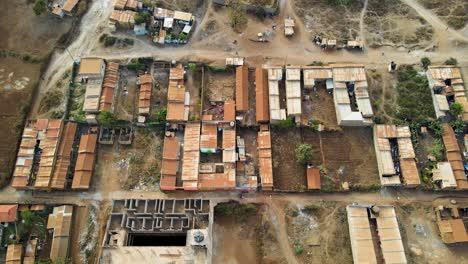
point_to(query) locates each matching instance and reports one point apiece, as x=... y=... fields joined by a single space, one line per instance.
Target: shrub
x=142 y=18
x=456 y=109
x=102 y=37
x=437 y=150
x=106 y=117
x=414 y=96
x=304 y=153
x=182 y=36
x=298 y=250
x=128 y=41
x=436 y=128
x=458 y=126
x=235 y=210
x=109 y=41
x=237 y=15
x=287 y=123
x=82 y=7
x=425 y=62
x=451 y=61
x=40 y=6
x=161 y=115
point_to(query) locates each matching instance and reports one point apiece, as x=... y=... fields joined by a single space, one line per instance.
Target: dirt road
x=91 y=26
x=442 y=31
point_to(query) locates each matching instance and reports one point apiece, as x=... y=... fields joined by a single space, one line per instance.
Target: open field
x=392 y=22
x=346 y=156
x=453 y=12
x=329 y=19
x=421 y=237
x=24 y=45
x=320 y=107
x=130 y=167
x=320 y=230
x=35 y=29
x=17 y=81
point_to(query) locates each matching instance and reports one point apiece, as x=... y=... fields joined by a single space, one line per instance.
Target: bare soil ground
x=329 y=20
x=231 y=238
x=219 y=85
x=180 y=5
x=453 y=12
x=383 y=94
x=80 y=217
x=130 y=167
x=421 y=237
x=126 y=99
x=320 y=107
x=29 y=37
x=288 y=174
x=320 y=230
x=17 y=81
x=255 y=239
x=24 y=32
x=392 y=22
x=159 y=97
x=193 y=84
x=343 y=156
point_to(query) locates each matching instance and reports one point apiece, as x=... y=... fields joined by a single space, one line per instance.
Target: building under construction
x=158 y=231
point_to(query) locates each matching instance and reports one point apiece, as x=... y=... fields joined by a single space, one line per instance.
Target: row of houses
x=348 y=83
x=164 y=26
x=59 y=224
x=101 y=80
x=49 y=156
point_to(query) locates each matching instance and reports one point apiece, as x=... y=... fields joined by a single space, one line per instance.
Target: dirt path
x=361 y=23
x=91 y=26
x=442 y=31
x=279 y=224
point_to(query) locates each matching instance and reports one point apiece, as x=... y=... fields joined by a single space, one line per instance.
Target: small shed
x=140 y=29
x=8 y=213
x=313 y=178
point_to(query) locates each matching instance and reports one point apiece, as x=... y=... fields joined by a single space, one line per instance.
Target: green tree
x=304 y=153
x=161 y=115
x=142 y=18
x=437 y=128
x=40 y=6
x=456 y=109
x=237 y=15
x=458 y=126
x=425 y=62
x=106 y=117
x=451 y=61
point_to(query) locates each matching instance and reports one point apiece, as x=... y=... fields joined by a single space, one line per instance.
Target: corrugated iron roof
x=175 y=111
x=60 y=221
x=171 y=148
x=8 y=212
x=14 y=254
x=313 y=178
x=209 y=136
x=262 y=97
x=88 y=143
x=242 y=88
x=229 y=110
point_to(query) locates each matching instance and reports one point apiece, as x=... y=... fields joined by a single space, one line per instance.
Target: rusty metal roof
x=242 y=88
x=262 y=100
x=88 y=143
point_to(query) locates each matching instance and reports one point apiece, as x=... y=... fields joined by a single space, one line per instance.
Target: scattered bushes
x=451 y=61
x=304 y=153
x=109 y=41
x=52 y=98
x=106 y=117
x=458 y=126
x=456 y=109
x=40 y=6
x=425 y=62
x=414 y=97
x=287 y=123
x=437 y=128
x=142 y=18
x=437 y=149
x=237 y=15
x=236 y=210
